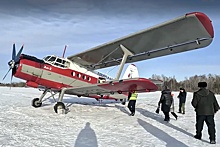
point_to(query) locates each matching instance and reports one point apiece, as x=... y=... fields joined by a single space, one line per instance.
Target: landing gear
x=59 y=107
x=36 y=102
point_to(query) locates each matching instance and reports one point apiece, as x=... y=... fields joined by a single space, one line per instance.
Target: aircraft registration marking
x=48 y=68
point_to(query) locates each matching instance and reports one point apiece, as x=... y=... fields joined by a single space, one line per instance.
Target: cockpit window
x=51 y=59
x=46 y=58
x=57 y=61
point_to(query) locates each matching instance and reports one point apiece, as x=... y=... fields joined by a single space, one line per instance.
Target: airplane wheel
x=36 y=102
x=59 y=105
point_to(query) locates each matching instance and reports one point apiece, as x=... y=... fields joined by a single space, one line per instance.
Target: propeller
x=14 y=59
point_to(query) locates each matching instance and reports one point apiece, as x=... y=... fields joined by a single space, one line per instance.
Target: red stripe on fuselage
x=48 y=67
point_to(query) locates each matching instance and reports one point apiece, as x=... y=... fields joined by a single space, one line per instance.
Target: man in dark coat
x=206 y=105
x=166 y=100
x=182 y=100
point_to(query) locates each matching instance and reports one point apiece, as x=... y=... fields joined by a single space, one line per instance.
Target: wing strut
x=126 y=54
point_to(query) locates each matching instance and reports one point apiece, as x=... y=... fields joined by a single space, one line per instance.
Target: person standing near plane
x=132 y=97
x=206 y=105
x=182 y=100
x=166 y=100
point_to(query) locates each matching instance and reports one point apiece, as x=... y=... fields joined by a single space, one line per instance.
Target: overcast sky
x=46 y=26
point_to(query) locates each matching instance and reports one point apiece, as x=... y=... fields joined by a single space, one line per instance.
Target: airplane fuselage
x=54 y=73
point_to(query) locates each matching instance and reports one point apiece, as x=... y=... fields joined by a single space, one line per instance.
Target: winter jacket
x=166 y=100
x=133 y=96
x=204 y=102
x=182 y=97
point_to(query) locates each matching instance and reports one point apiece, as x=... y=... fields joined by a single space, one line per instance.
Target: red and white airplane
x=77 y=74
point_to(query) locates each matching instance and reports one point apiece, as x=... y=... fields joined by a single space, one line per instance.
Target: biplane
x=78 y=74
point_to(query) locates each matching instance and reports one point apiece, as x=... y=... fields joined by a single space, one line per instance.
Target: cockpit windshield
x=60 y=62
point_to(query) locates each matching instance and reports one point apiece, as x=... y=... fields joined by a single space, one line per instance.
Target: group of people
x=204 y=102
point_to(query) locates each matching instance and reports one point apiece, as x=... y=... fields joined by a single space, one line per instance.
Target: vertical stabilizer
x=131 y=72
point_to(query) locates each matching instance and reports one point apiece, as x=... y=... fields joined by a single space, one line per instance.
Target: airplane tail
x=131 y=72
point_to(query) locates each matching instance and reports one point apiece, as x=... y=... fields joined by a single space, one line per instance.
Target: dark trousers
x=209 y=119
x=131 y=105
x=167 y=116
x=181 y=107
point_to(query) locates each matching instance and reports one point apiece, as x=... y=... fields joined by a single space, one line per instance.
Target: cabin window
x=89 y=79
x=78 y=75
x=84 y=77
x=73 y=73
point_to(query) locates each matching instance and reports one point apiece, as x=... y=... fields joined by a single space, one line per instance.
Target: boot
x=132 y=114
x=197 y=137
x=212 y=142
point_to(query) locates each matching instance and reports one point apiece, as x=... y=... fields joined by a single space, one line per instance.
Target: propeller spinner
x=13 y=61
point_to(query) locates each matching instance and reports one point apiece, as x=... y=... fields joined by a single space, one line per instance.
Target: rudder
x=131 y=72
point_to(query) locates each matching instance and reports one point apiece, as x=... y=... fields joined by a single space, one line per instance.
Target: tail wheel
x=36 y=103
x=59 y=105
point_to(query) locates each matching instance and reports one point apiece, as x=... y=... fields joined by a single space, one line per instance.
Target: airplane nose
x=15 y=59
x=11 y=63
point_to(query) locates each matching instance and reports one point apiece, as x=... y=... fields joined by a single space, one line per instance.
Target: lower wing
x=115 y=89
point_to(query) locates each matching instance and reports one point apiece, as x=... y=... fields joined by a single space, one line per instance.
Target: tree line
x=14 y=84
x=190 y=84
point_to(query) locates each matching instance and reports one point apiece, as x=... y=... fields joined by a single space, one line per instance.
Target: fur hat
x=202 y=84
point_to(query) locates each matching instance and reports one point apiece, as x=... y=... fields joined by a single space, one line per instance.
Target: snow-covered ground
x=89 y=123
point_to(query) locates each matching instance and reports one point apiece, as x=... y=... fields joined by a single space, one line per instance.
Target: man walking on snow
x=132 y=97
x=206 y=105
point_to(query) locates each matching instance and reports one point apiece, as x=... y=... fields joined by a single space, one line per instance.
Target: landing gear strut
x=59 y=107
x=37 y=102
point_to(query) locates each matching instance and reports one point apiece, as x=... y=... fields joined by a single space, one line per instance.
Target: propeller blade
x=19 y=53
x=6 y=74
x=11 y=79
x=13 y=52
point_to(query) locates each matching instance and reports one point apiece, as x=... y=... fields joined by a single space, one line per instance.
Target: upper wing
x=115 y=89
x=188 y=32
